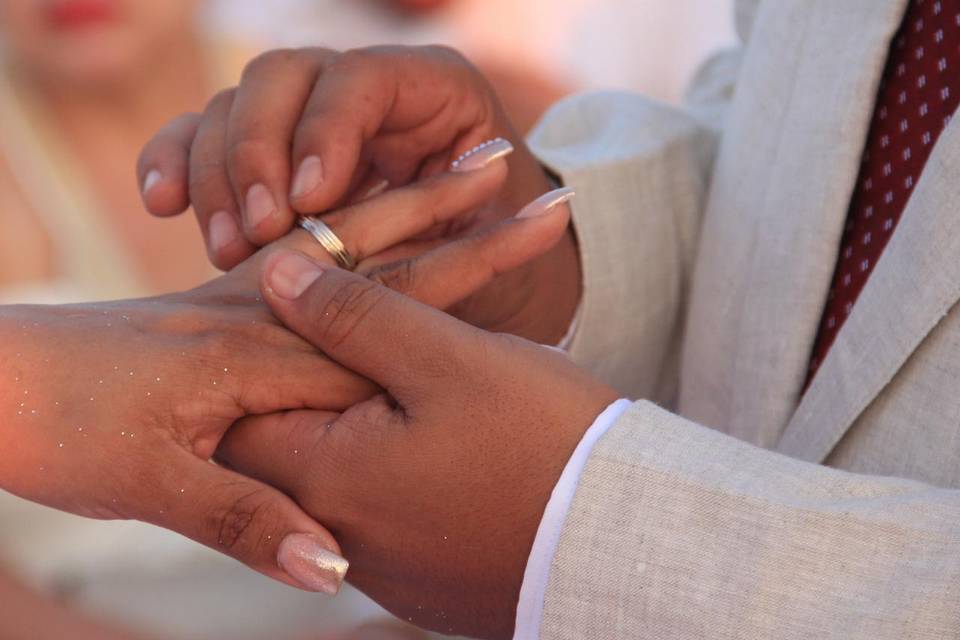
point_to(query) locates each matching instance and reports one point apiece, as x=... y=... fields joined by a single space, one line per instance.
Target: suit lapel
x=806 y=200
x=914 y=285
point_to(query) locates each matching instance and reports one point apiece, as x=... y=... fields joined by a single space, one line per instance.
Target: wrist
x=15 y=365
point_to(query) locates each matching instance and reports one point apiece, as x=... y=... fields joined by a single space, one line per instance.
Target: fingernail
x=377 y=189
x=260 y=205
x=223 y=231
x=293 y=274
x=308 y=178
x=311 y=564
x=153 y=177
x=546 y=203
x=482 y=155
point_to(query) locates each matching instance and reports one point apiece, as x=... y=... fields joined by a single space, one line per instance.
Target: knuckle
x=207 y=182
x=188 y=121
x=352 y=59
x=247 y=150
x=346 y=309
x=446 y=53
x=220 y=100
x=268 y=61
x=400 y=277
x=237 y=523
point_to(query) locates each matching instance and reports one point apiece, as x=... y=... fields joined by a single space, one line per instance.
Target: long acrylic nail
x=309 y=177
x=223 y=231
x=260 y=205
x=153 y=177
x=482 y=155
x=546 y=203
x=311 y=564
x=292 y=274
x=375 y=190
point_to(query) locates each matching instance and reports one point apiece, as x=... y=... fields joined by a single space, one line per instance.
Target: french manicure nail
x=223 y=231
x=292 y=275
x=377 y=189
x=260 y=205
x=309 y=177
x=311 y=564
x=482 y=155
x=153 y=177
x=546 y=203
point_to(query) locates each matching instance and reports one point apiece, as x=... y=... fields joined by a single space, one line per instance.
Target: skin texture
x=435 y=488
x=363 y=117
x=164 y=378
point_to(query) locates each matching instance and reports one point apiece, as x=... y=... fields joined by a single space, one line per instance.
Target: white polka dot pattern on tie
x=918 y=96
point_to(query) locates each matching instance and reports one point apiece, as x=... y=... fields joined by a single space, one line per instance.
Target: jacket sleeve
x=677 y=531
x=642 y=172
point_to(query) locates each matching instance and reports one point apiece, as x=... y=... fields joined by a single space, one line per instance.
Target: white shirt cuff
x=537 y=574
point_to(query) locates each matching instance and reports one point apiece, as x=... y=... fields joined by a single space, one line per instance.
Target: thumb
x=395 y=341
x=247 y=520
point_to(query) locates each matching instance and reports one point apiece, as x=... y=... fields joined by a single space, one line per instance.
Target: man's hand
x=435 y=489
x=311 y=129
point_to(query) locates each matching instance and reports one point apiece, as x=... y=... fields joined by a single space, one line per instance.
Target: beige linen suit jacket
x=744 y=508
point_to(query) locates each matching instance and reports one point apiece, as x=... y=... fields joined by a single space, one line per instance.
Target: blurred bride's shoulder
x=26 y=253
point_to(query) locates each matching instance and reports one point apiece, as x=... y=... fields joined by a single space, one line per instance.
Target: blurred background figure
x=83 y=84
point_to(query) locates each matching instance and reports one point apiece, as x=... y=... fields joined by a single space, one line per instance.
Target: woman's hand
x=309 y=129
x=112 y=410
x=435 y=488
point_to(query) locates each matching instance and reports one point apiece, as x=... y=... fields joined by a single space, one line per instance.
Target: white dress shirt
x=537 y=574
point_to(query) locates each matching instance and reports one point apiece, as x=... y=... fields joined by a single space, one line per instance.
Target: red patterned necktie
x=919 y=94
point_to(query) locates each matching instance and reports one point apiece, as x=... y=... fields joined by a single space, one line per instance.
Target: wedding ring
x=328 y=240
